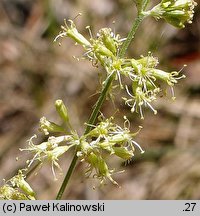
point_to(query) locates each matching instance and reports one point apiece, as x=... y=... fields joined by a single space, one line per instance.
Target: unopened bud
x=62 y=110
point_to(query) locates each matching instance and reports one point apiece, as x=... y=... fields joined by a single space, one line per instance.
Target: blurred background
x=34 y=72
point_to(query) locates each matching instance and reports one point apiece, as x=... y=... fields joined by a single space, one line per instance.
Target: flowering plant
x=104 y=137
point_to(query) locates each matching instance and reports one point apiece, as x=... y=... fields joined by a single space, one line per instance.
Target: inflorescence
x=106 y=137
x=143 y=72
x=175 y=12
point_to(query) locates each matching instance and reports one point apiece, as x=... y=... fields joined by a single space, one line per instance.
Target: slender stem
x=67 y=177
x=131 y=34
x=100 y=101
x=91 y=120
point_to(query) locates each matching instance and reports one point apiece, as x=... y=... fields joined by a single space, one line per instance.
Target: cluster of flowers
x=143 y=72
x=106 y=137
x=17 y=188
x=175 y=12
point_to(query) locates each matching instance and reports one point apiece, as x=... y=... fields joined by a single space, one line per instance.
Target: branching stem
x=101 y=100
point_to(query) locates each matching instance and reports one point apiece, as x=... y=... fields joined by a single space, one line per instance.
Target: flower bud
x=62 y=110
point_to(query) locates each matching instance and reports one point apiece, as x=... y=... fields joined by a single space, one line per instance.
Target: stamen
x=128 y=102
x=31 y=162
x=122 y=39
x=79 y=14
x=141 y=113
x=53 y=170
x=128 y=92
x=172 y=92
x=65 y=22
x=127 y=123
x=135 y=143
x=133 y=107
x=90 y=32
x=60 y=35
x=149 y=79
x=30 y=140
x=119 y=77
x=155 y=111
x=181 y=77
x=114 y=27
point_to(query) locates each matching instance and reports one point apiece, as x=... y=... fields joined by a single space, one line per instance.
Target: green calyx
x=175 y=12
